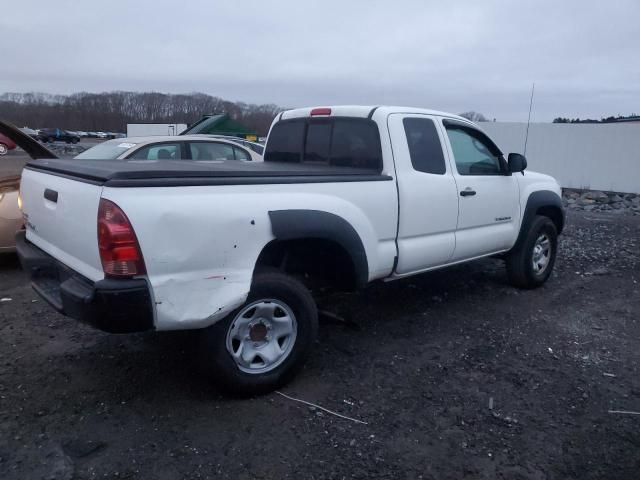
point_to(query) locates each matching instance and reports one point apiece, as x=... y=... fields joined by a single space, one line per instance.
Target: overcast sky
x=584 y=56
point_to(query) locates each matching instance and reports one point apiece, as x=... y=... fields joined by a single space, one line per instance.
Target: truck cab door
x=427 y=194
x=489 y=200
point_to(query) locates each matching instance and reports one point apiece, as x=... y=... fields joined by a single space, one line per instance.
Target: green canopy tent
x=221 y=124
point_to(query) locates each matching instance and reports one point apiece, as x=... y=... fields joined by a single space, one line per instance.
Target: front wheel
x=3 y=149
x=264 y=343
x=530 y=264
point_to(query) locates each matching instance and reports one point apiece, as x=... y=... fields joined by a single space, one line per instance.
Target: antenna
x=526 y=137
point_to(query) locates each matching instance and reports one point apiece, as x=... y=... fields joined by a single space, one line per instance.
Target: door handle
x=51 y=195
x=467 y=192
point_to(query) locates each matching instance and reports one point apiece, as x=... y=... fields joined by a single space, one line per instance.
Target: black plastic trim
x=316 y=224
x=196 y=182
x=111 y=305
x=537 y=200
x=55 y=173
x=51 y=195
x=373 y=110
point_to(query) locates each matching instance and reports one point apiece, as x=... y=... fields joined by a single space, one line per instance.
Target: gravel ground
x=457 y=375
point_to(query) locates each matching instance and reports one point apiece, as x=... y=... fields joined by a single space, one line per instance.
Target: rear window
x=285 y=142
x=345 y=142
x=107 y=150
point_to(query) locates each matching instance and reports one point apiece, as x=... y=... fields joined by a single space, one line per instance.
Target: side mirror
x=517 y=163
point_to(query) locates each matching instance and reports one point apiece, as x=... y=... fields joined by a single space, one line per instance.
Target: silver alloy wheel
x=3 y=149
x=541 y=254
x=262 y=335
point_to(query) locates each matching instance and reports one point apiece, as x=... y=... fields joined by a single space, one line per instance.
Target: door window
x=211 y=151
x=159 y=151
x=424 y=145
x=473 y=154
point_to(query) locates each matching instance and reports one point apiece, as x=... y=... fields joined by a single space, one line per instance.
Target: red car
x=6 y=144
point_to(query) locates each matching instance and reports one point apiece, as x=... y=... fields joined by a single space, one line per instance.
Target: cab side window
x=424 y=145
x=473 y=154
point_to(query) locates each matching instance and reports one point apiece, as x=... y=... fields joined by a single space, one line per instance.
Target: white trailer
x=152 y=129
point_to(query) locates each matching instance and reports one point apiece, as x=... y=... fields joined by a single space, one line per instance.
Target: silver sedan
x=179 y=147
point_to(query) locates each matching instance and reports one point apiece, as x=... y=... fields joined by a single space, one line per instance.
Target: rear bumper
x=112 y=305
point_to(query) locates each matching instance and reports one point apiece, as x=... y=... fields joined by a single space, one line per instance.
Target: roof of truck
x=365 y=111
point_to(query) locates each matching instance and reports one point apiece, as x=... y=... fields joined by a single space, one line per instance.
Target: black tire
x=519 y=261
x=220 y=365
x=74 y=140
x=4 y=149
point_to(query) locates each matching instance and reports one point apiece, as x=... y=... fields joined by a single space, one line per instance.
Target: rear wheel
x=3 y=149
x=530 y=264
x=262 y=345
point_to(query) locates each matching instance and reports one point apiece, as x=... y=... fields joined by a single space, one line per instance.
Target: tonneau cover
x=121 y=173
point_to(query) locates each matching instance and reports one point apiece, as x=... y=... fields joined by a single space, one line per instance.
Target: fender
x=299 y=224
x=541 y=198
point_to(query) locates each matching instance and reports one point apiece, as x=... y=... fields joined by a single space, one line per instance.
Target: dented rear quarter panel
x=200 y=244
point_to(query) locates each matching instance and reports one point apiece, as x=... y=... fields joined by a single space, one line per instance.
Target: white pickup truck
x=346 y=195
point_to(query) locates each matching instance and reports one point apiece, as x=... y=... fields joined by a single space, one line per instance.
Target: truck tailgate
x=61 y=218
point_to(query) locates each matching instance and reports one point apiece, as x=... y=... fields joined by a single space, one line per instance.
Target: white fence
x=590 y=156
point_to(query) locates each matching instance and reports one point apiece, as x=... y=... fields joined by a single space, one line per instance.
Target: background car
x=30 y=131
x=256 y=147
x=56 y=134
x=6 y=144
x=177 y=147
x=10 y=215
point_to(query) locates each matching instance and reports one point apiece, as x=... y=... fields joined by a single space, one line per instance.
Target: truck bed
x=165 y=173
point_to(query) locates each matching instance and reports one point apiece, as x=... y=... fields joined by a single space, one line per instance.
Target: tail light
x=119 y=250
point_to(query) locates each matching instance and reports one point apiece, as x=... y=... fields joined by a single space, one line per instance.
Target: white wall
x=590 y=156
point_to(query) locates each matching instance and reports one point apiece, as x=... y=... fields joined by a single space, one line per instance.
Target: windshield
x=106 y=151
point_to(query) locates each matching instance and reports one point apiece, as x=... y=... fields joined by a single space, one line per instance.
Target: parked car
x=57 y=135
x=345 y=196
x=256 y=147
x=6 y=144
x=189 y=147
x=30 y=131
x=10 y=215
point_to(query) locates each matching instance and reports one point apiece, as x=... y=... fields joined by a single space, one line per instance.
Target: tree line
x=111 y=111
x=610 y=119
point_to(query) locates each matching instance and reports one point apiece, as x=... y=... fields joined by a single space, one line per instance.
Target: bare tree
x=474 y=116
x=111 y=111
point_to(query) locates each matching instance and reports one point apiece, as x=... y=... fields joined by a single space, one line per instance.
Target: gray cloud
x=465 y=55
